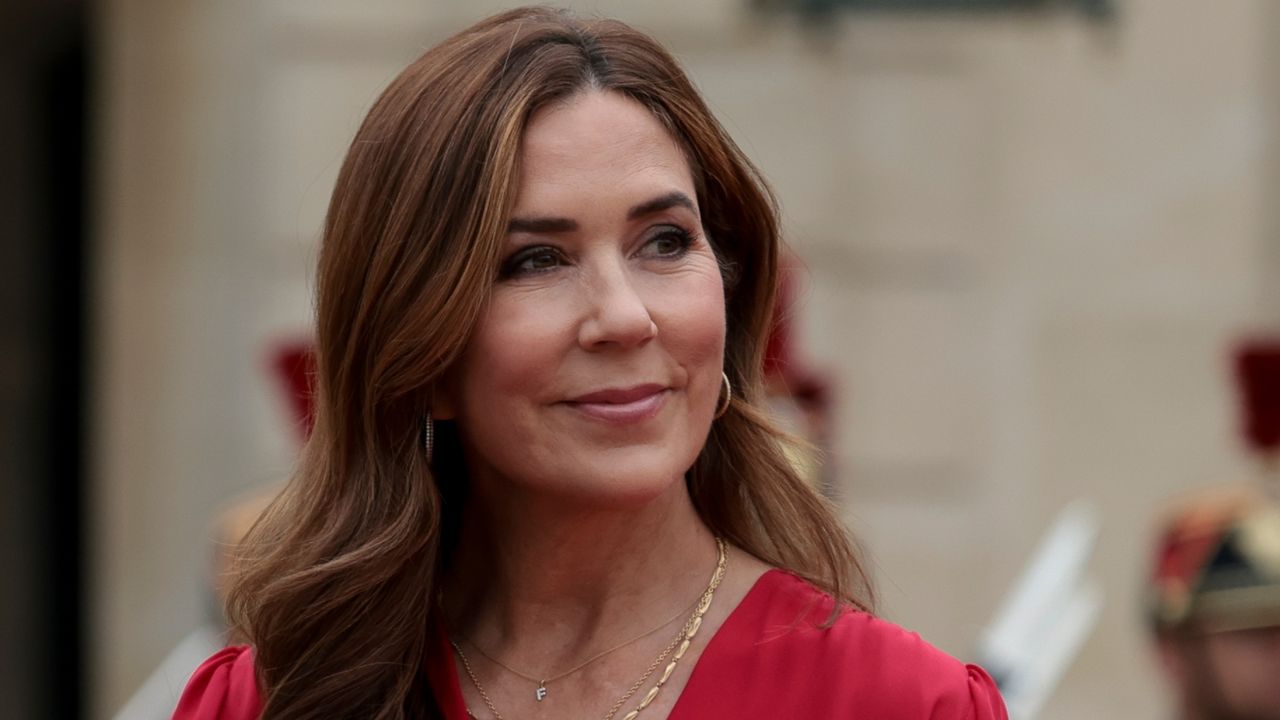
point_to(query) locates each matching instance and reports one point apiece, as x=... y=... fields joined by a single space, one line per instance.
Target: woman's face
x=594 y=373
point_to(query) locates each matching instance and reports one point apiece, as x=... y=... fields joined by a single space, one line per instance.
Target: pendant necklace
x=675 y=650
x=541 y=692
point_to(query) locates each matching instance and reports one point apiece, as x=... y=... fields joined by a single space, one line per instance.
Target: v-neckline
x=719 y=638
x=444 y=672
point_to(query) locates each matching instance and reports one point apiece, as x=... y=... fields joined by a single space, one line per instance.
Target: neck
x=543 y=582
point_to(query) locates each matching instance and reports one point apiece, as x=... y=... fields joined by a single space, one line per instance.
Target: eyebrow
x=658 y=204
x=541 y=225
x=560 y=224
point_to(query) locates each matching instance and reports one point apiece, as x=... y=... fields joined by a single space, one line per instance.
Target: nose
x=618 y=315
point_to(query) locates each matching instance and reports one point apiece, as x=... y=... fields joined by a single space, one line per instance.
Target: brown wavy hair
x=334 y=584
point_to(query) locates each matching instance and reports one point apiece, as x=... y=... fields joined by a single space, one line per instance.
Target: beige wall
x=1030 y=241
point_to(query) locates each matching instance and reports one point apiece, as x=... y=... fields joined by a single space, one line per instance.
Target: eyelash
x=511 y=267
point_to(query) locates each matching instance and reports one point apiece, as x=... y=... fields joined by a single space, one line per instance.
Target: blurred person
x=1214 y=595
x=1215 y=605
x=541 y=481
x=292 y=366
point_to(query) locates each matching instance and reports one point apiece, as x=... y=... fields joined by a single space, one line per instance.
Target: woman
x=539 y=484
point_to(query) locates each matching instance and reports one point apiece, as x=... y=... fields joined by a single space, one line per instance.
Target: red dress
x=769 y=660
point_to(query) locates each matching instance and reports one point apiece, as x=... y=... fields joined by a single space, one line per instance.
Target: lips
x=621 y=405
x=619 y=396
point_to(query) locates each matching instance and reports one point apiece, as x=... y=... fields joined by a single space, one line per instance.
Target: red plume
x=295 y=366
x=1258 y=376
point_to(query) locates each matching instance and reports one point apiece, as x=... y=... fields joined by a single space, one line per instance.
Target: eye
x=669 y=241
x=530 y=261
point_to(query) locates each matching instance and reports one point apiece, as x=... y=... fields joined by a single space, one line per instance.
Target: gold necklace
x=679 y=646
x=541 y=693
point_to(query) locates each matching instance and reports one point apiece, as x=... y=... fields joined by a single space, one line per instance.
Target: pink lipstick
x=622 y=405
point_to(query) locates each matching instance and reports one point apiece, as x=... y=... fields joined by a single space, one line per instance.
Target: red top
x=770 y=659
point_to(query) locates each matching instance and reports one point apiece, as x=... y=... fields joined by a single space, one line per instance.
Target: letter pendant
x=542 y=691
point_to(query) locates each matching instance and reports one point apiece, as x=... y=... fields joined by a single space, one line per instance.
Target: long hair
x=335 y=582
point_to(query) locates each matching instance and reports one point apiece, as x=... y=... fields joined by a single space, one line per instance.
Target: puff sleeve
x=224 y=687
x=984 y=696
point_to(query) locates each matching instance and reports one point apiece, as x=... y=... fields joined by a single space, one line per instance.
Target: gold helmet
x=1217 y=563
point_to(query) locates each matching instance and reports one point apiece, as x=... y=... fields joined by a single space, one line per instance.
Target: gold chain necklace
x=541 y=693
x=679 y=646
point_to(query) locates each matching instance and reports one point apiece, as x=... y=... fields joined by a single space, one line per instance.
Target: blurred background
x=1028 y=237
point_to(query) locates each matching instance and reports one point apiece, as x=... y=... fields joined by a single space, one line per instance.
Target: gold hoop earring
x=723 y=407
x=428 y=436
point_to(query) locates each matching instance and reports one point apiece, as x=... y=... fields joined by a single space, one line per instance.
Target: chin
x=622 y=485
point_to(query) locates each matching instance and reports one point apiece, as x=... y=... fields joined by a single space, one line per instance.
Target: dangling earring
x=723 y=407
x=428 y=436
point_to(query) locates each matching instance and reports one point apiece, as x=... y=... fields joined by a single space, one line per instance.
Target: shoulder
x=871 y=664
x=224 y=687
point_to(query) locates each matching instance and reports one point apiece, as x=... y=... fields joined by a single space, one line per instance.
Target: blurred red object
x=783 y=368
x=1258 y=377
x=294 y=364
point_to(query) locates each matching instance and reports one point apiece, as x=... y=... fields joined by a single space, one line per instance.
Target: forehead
x=598 y=141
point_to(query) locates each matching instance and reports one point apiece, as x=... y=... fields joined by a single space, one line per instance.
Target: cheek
x=701 y=342
x=510 y=356
x=694 y=321
x=691 y=329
